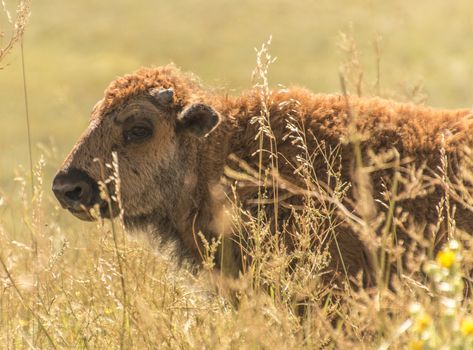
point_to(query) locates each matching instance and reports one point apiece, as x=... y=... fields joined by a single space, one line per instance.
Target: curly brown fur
x=174 y=185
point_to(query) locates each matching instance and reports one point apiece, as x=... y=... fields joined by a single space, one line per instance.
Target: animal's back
x=306 y=132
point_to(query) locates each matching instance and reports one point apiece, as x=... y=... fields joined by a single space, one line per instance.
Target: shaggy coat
x=177 y=182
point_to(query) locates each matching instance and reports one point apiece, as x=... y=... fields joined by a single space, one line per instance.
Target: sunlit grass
x=66 y=284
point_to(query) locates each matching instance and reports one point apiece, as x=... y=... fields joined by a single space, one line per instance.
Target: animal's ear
x=199 y=119
x=162 y=96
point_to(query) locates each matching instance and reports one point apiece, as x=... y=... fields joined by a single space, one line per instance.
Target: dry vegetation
x=18 y=24
x=98 y=288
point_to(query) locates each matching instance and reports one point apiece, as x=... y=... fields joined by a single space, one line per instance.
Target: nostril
x=74 y=189
x=75 y=194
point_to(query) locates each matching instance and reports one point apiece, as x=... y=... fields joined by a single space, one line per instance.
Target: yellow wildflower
x=422 y=323
x=446 y=258
x=466 y=326
x=416 y=344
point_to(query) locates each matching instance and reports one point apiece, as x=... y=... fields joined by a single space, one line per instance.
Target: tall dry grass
x=11 y=35
x=101 y=288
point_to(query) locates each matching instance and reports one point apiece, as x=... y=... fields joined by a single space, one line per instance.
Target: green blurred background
x=73 y=49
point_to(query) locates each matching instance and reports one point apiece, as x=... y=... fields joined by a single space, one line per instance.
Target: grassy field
x=68 y=284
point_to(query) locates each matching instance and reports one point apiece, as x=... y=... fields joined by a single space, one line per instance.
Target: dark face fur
x=155 y=144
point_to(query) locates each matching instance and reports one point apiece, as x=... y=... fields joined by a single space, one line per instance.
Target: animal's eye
x=138 y=133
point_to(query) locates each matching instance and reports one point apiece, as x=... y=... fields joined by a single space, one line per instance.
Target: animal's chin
x=105 y=212
x=82 y=215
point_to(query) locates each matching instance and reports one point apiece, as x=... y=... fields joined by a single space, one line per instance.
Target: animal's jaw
x=83 y=215
x=105 y=211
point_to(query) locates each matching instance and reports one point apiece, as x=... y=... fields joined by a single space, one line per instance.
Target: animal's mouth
x=82 y=214
x=103 y=210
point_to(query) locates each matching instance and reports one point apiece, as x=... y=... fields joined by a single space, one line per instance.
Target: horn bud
x=162 y=96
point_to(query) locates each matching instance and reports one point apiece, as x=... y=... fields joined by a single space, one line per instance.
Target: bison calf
x=174 y=140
